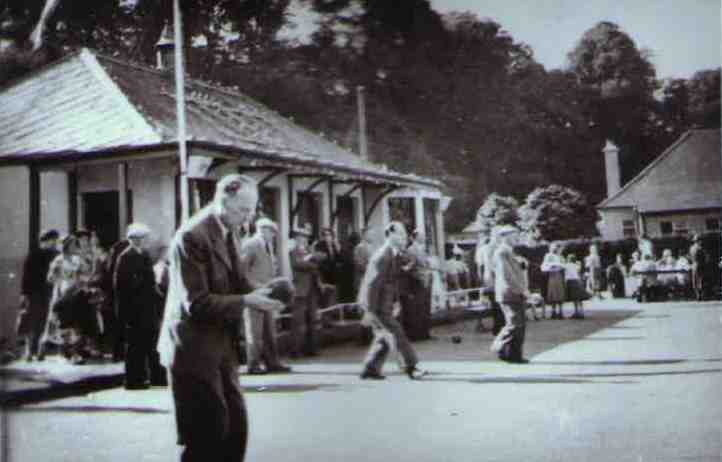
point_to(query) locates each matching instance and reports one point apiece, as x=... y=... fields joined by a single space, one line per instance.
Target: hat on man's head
x=266 y=223
x=49 y=235
x=136 y=230
x=457 y=250
x=505 y=230
x=696 y=238
x=229 y=185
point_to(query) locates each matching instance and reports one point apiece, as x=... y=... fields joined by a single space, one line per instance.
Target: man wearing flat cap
x=208 y=291
x=259 y=259
x=138 y=303
x=378 y=296
x=307 y=280
x=511 y=291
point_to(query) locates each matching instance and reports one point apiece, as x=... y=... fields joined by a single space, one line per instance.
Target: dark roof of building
x=686 y=176
x=88 y=102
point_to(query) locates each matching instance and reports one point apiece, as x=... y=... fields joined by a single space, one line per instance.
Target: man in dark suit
x=114 y=325
x=138 y=303
x=198 y=343
x=330 y=266
x=379 y=295
x=36 y=292
x=307 y=280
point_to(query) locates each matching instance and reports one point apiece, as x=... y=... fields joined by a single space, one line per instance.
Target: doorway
x=101 y=211
x=345 y=217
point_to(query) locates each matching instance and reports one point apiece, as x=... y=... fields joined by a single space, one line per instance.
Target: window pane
x=666 y=227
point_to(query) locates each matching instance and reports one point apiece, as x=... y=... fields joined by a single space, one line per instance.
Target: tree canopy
x=556 y=213
x=452 y=95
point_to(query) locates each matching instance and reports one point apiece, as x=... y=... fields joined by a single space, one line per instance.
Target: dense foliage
x=452 y=96
x=556 y=212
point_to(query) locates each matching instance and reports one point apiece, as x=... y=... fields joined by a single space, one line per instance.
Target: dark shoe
x=515 y=360
x=278 y=369
x=372 y=376
x=137 y=386
x=159 y=382
x=256 y=370
x=415 y=373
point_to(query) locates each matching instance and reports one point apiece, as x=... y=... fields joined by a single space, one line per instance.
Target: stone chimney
x=611 y=166
x=165 y=49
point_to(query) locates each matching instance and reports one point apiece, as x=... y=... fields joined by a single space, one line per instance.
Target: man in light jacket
x=511 y=292
x=259 y=259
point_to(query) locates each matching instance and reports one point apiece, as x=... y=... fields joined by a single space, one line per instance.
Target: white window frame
x=629 y=230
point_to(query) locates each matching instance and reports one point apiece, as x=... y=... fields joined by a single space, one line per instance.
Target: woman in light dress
x=65 y=273
x=553 y=266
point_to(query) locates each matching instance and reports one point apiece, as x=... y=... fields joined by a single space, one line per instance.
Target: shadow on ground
x=541 y=336
x=92 y=409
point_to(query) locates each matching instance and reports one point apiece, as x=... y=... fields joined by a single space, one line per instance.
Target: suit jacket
x=380 y=287
x=259 y=265
x=510 y=280
x=35 y=273
x=135 y=290
x=331 y=265
x=205 y=299
x=305 y=272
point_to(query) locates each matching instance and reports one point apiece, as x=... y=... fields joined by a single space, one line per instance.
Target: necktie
x=233 y=255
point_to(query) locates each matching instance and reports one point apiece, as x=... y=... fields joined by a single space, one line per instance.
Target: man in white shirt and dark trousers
x=378 y=295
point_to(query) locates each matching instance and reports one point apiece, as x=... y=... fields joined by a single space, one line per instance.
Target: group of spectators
x=685 y=276
x=89 y=303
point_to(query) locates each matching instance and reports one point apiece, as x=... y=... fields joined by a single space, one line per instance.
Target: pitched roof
x=687 y=175
x=88 y=102
x=69 y=105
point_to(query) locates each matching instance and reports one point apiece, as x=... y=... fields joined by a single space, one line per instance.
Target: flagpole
x=180 y=110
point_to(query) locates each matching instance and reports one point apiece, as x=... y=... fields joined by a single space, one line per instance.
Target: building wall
x=54 y=201
x=14 y=183
x=693 y=222
x=612 y=225
x=152 y=184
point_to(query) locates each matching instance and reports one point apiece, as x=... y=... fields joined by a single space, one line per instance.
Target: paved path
x=630 y=383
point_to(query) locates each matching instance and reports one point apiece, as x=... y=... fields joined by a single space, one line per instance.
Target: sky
x=683 y=35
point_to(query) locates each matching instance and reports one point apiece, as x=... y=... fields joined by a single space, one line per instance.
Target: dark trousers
x=304 y=324
x=497 y=315
x=115 y=334
x=387 y=331
x=509 y=343
x=416 y=312
x=142 y=362
x=210 y=416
